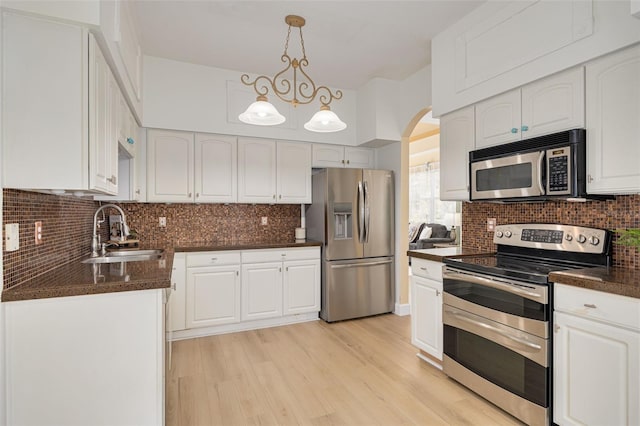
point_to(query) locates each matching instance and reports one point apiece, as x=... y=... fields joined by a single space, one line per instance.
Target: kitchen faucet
x=95 y=241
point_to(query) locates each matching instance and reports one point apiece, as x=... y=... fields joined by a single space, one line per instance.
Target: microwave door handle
x=541 y=185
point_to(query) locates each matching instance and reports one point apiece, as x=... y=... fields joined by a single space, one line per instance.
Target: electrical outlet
x=162 y=222
x=491 y=224
x=37 y=232
x=11 y=236
x=264 y=220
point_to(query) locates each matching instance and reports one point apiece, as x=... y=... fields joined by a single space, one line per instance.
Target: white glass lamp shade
x=325 y=121
x=262 y=113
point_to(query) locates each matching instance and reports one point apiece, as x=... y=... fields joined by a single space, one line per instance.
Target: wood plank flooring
x=359 y=372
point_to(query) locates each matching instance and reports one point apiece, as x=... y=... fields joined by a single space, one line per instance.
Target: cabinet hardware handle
x=283 y=254
x=287 y=269
x=556 y=328
x=173 y=286
x=274 y=196
x=213 y=259
x=514 y=130
x=423 y=268
x=279 y=269
x=524 y=128
x=190 y=194
x=589 y=178
x=590 y=305
x=342 y=161
x=237 y=273
x=130 y=141
x=138 y=191
x=280 y=196
x=437 y=292
x=348 y=161
x=197 y=195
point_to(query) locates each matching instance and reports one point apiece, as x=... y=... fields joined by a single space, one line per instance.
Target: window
x=424 y=196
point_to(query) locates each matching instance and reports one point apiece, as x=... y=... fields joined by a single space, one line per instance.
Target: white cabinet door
x=498 y=119
x=178 y=299
x=363 y=158
x=213 y=296
x=169 y=166
x=215 y=168
x=327 y=155
x=261 y=290
x=553 y=104
x=596 y=373
x=256 y=170
x=86 y=360
x=456 y=140
x=426 y=315
x=613 y=123
x=293 y=172
x=301 y=286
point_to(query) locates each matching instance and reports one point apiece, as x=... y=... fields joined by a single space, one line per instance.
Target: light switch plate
x=12 y=236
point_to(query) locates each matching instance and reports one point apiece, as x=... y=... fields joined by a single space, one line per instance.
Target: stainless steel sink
x=126 y=256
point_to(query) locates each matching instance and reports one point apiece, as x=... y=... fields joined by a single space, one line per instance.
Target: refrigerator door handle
x=367 y=214
x=361 y=210
x=354 y=265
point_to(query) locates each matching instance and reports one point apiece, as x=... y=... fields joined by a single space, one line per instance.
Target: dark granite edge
x=246 y=246
x=440 y=258
x=603 y=280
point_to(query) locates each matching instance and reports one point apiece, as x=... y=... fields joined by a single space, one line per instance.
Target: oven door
x=517 y=304
x=511 y=176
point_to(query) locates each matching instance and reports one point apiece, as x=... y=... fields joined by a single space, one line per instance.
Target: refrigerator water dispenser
x=343 y=224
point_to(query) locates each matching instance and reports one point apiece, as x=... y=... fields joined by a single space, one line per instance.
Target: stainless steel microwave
x=536 y=169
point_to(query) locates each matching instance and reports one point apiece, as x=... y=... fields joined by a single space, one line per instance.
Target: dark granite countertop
x=625 y=282
x=76 y=278
x=439 y=254
x=244 y=245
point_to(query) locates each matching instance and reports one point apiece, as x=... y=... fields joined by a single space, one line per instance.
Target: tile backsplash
x=623 y=212
x=68 y=222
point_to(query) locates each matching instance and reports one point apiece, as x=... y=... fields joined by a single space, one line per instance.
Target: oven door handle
x=500 y=285
x=496 y=330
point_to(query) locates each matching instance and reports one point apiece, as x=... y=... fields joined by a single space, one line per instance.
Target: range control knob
x=594 y=240
x=499 y=234
x=508 y=234
x=568 y=237
x=582 y=239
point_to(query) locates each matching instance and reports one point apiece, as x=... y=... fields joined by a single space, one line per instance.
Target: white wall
x=389 y=159
x=183 y=96
x=83 y=11
x=613 y=27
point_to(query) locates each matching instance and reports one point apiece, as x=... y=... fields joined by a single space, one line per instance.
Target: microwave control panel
x=558 y=171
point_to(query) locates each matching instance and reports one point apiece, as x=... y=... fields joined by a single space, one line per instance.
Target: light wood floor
x=360 y=372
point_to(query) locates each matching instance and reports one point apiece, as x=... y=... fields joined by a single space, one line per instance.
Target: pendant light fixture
x=298 y=90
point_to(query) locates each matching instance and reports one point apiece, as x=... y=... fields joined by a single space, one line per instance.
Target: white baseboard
x=402 y=310
x=241 y=326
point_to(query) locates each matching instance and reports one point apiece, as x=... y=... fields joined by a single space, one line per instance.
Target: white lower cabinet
x=426 y=306
x=86 y=360
x=224 y=291
x=596 y=358
x=261 y=290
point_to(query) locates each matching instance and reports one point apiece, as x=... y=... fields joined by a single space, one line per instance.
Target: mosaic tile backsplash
x=68 y=222
x=623 y=212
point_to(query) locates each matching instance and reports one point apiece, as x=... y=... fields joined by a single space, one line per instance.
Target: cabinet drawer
x=426 y=269
x=213 y=258
x=611 y=308
x=277 y=255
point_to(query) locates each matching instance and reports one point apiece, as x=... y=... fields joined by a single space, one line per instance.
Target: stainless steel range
x=497 y=313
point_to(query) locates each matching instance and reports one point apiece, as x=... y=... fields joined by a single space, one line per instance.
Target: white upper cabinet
x=498 y=119
x=456 y=140
x=613 y=123
x=293 y=172
x=170 y=159
x=256 y=170
x=187 y=167
x=67 y=130
x=342 y=156
x=215 y=168
x=273 y=172
x=546 y=106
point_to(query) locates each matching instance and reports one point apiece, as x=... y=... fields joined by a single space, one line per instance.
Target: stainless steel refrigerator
x=353 y=215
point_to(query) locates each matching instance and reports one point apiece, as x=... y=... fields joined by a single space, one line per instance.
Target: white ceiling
x=347 y=42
